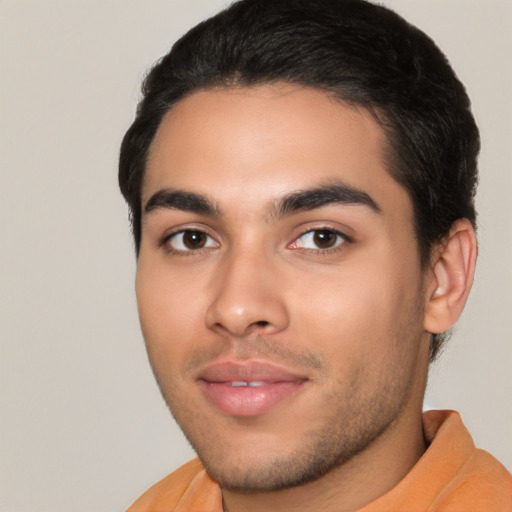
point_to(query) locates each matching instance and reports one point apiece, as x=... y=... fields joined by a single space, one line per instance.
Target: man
x=301 y=177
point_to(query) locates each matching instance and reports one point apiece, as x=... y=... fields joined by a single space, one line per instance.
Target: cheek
x=342 y=303
x=356 y=315
x=170 y=312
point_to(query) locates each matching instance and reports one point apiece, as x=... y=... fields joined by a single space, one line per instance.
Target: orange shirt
x=452 y=476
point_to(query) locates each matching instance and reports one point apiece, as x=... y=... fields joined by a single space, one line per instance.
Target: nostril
x=261 y=323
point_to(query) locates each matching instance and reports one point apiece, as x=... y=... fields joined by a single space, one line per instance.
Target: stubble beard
x=351 y=426
x=354 y=420
x=323 y=450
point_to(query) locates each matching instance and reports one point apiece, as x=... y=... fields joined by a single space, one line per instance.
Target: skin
x=349 y=318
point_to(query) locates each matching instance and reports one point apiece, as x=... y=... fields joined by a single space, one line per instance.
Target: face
x=279 y=285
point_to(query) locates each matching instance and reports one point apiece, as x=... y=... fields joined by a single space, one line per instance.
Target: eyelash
x=166 y=241
x=328 y=250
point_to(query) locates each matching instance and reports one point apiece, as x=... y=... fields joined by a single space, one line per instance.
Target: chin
x=265 y=476
x=269 y=468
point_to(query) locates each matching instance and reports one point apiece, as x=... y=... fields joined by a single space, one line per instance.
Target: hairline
x=393 y=162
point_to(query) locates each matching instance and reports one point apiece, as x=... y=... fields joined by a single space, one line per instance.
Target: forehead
x=262 y=142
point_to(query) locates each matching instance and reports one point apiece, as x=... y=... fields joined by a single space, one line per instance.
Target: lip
x=267 y=386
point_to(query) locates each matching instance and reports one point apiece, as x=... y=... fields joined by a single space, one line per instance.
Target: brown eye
x=190 y=240
x=194 y=239
x=324 y=239
x=320 y=239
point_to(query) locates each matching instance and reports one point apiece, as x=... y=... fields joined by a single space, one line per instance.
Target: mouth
x=248 y=388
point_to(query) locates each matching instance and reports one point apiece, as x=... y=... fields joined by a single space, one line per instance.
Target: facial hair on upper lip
x=256 y=347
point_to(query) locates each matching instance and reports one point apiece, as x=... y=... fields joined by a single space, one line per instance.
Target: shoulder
x=188 y=485
x=476 y=480
x=482 y=483
x=451 y=476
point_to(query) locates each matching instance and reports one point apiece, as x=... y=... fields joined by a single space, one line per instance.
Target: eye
x=190 y=240
x=320 y=239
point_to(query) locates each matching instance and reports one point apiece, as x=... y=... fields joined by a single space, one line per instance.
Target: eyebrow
x=302 y=200
x=324 y=195
x=180 y=200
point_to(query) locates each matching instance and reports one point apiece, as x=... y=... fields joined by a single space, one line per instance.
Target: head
x=256 y=126
x=361 y=54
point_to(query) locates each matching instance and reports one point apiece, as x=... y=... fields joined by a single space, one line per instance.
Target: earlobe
x=450 y=278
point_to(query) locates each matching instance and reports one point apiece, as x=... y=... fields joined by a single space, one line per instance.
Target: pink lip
x=275 y=384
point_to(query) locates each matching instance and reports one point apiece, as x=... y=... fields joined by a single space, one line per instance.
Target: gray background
x=82 y=425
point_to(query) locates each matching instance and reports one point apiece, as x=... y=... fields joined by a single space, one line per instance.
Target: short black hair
x=361 y=53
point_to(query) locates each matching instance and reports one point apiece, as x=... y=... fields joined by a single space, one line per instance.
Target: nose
x=248 y=298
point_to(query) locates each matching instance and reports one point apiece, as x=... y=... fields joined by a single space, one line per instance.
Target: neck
x=354 y=484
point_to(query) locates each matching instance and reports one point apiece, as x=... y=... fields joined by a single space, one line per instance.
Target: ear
x=450 y=277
